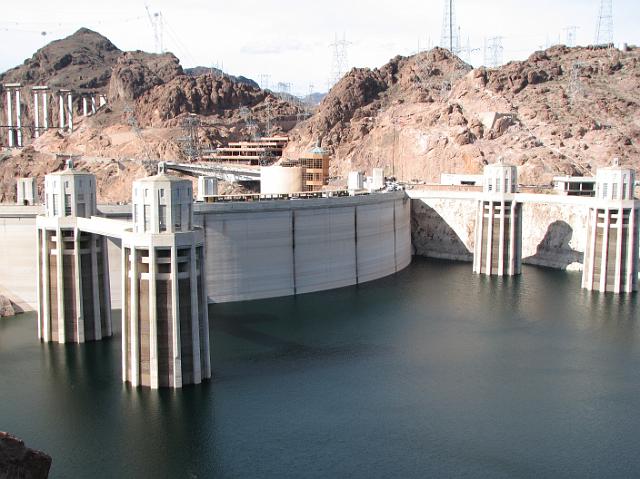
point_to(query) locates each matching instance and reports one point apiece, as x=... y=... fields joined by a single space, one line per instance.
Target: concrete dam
x=168 y=257
x=253 y=250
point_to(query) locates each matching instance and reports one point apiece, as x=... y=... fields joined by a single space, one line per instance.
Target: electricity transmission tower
x=493 y=52
x=604 y=28
x=252 y=128
x=340 y=58
x=133 y=122
x=264 y=81
x=449 y=38
x=575 y=87
x=157 y=24
x=189 y=141
x=570 y=36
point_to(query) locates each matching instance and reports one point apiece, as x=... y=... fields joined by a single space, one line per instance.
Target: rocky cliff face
x=17 y=461
x=562 y=111
x=135 y=73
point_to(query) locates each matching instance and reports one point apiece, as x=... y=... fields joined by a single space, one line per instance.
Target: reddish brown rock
x=17 y=461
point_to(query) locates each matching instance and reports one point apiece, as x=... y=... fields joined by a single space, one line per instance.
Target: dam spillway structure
x=165 y=329
x=74 y=300
x=611 y=256
x=498 y=234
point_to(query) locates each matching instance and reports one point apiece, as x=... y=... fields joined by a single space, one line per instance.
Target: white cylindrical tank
x=277 y=180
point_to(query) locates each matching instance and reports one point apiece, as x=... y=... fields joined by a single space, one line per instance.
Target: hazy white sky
x=289 y=40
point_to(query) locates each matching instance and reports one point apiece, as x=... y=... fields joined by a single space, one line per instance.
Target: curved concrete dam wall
x=280 y=248
x=254 y=250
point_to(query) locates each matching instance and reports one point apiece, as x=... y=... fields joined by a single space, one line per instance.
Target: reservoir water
x=434 y=372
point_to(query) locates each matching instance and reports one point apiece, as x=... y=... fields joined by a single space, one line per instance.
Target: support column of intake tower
x=74 y=303
x=611 y=255
x=498 y=236
x=165 y=329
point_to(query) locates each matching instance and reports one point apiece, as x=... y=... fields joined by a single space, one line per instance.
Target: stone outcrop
x=135 y=73
x=17 y=461
x=6 y=308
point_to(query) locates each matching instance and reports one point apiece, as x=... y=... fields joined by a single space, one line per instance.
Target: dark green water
x=435 y=372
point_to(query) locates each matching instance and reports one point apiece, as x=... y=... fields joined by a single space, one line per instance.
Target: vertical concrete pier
x=40 y=109
x=611 y=256
x=498 y=236
x=65 y=115
x=13 y=115
x=165 y=328
x=74 y=302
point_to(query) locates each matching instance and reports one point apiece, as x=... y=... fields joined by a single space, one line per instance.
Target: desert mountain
x=561 y=111
x=148 y=97
x=82 y=61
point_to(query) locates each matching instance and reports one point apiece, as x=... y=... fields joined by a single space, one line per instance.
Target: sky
x=290 y=41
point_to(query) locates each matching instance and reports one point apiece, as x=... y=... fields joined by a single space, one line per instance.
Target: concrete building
x=74 y=300
x=207 y=187
x=574 y=185
x=611 y=256
x=355 y=181
x=265 y=150
x=316 y=168
x=165 y=329
x=498 y=234
x=376 y=182
x=278 y=180
x=26 y=191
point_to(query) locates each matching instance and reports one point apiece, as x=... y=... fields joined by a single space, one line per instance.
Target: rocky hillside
x=148 y=94
x=564 y=110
